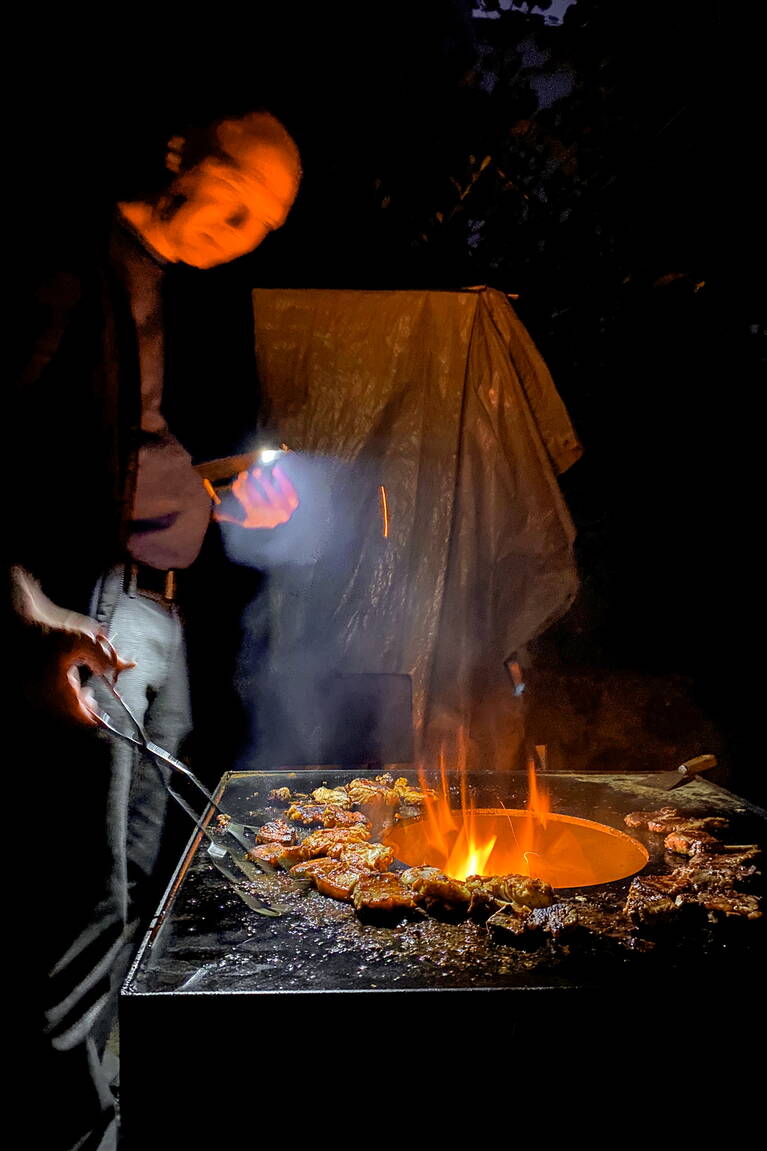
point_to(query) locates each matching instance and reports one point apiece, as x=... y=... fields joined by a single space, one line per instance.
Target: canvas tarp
x=442 y=400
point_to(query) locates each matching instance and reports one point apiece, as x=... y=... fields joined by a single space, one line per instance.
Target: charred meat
x=519 y=890
x=643 y=818
x=370 y=856
x=310 y=868
x=326 y=815
x=291 y=855
x=410 y=795
x=278 y=831
x=306 y=813
x=562 y=923
x=281 y=794
x=691 y=842
x=727 y=904
x=373 y=794
x=579 y=922
x=339 y=817
x=324 y=841
x=515 y=927
x=667 y=819
x=267 y=853
x=725 y=869
x=339 y=882
x=436 y=891
x=381 y=894
x=688 y=823
x=335 y=795
x=653 y=901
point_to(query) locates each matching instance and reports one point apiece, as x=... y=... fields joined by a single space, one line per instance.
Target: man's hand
x=60 y=642
x=86 y=647
x=259 y=498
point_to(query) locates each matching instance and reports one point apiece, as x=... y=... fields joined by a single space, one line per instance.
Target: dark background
x=595 y=166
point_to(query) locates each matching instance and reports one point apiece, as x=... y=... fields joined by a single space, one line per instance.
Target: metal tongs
x=228 y=844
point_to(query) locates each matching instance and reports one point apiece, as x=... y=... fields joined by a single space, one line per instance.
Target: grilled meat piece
x=696 y=889
x=518 y=890
x=654 y=901
x=410 y=794
x=566 y=921
x=563 y=924
x=642 y=818
x=278 y=831
x=372 y=793
x=329 y=876
x=659 y=886
x=371 y=856
x=415 y=875
x=306 y=813
x=289 y=856
x=340 y=881
x=436 y=891
x=266 y=853
x=516 y=927
x=309 y=869
x=688 y=823
x=338 y=817
x=723 y=870
x=335 y=795
x=691 y=842
x=727 y=904
x=323 y=841
x=326 y=815
x=668 y=819
x=282 y=794
x=381 y=894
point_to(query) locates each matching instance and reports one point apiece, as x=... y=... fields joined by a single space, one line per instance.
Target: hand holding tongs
x=217 y=851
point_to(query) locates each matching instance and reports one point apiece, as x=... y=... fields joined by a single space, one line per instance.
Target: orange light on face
x=227 y=203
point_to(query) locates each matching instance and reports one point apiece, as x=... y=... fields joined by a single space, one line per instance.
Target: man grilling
x=96 y=580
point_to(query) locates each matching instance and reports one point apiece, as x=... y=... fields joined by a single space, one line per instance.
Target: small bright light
x=269 y=456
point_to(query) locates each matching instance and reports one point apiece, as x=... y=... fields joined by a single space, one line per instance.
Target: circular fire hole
x=565 y=851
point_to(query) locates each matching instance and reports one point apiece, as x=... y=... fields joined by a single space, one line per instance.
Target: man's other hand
x=259 y=498
x=59 y=643
x=86 y=647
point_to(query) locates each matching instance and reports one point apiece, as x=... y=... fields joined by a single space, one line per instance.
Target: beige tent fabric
x=442 y=399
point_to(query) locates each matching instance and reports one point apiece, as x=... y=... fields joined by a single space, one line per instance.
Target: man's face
x=229 y=209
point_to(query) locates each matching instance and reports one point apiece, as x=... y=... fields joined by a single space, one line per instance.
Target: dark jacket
x=75 y=418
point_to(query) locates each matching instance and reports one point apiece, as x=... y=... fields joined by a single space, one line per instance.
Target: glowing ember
x=562 y=850
x=384 y=510
x=211 y=491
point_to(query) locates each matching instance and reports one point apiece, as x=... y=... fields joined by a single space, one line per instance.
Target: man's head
x=235 y=182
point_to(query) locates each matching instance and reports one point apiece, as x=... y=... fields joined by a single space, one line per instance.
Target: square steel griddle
x=207 y=940
x=228 y=1017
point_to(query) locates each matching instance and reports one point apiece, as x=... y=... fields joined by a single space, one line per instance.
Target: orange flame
x=538 y=801
x=461 y=839
x=562 y=850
